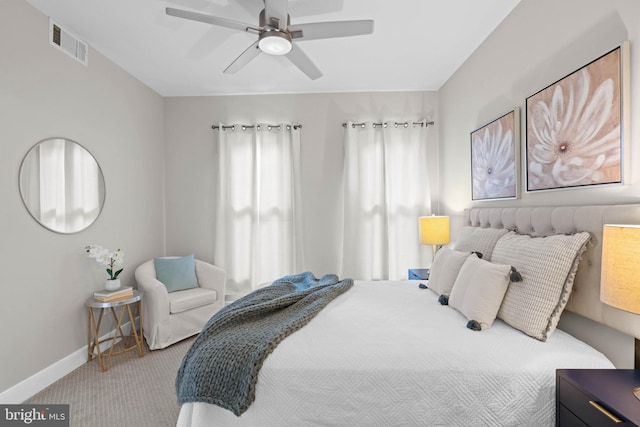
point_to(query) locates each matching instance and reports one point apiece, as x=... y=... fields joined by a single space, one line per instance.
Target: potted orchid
x=112 y=260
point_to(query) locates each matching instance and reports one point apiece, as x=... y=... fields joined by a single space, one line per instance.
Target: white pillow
x=476 y=239
x=479 y=289
x=444 y=270
x=548 y=267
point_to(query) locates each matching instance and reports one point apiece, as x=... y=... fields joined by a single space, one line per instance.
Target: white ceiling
x=416 y=44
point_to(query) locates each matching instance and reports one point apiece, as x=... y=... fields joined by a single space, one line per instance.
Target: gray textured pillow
x=476 y=239
x=548 y=267
x=445 y=269
x=479 y=289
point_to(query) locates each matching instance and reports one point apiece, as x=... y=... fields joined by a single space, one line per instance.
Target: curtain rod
x=396 y=124
x=244 y=127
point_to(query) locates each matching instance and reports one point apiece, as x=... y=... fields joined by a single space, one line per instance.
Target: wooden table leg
x=141 y=332
x=137 y=336
x=117 y=332
x=131 y=341
x=89 y=322
x=93 y=346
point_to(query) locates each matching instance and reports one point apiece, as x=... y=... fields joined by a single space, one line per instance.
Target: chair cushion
x=176 y=273
x=188 y=299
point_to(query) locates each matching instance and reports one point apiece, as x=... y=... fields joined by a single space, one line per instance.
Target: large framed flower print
x=495 y=158
x=576 y=126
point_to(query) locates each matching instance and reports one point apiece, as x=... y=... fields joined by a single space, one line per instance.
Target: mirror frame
x=22 y=195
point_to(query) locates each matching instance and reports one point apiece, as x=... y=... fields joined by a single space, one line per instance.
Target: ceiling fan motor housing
x=273 y=22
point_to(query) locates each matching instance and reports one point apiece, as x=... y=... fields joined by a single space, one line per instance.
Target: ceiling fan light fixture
x=275 y=42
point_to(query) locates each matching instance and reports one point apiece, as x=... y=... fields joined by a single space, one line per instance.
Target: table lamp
x=620 y=274
x=434 y=230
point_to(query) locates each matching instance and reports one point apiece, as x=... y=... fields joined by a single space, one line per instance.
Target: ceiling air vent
x=68 y=43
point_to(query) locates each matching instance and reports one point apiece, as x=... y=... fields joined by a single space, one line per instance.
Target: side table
x=131 y=305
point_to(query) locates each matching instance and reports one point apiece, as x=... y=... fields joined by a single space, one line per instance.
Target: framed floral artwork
x=495 y=154
x=576 y=126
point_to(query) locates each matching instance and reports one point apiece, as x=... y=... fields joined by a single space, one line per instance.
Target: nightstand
x=597 y=397
x=418 y=274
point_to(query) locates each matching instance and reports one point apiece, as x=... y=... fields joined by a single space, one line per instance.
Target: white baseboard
x=43 y=379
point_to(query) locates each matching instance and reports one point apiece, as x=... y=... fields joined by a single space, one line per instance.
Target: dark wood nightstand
x=597 y=397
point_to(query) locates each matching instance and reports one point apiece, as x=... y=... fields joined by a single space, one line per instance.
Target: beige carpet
x=134 y=392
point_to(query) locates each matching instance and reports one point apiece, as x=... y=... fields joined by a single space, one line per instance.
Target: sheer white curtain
x=257 y=222
x=386 y=189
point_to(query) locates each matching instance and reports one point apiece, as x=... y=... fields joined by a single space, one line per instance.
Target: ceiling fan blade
x=302 y=61
x=245 y=57
x=209 y=19
x=326 y=30
x=277 y=9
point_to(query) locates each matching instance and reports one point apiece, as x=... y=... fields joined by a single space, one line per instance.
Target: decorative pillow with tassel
x=548 y=267
x=478 y=291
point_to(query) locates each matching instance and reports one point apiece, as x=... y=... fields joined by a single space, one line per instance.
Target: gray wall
x=190 y=171
x=540 y=42
x=46 y=277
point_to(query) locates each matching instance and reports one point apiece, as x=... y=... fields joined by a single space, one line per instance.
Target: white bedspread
x=388 y=354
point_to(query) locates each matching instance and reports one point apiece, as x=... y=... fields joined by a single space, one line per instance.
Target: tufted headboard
x=545 y=221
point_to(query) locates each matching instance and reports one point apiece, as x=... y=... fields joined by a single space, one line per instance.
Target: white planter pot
x=112 y=285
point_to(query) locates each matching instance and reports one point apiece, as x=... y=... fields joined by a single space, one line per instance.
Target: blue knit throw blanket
x=222 y=366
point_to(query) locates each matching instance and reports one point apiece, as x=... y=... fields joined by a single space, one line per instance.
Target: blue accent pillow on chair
x=178 y=273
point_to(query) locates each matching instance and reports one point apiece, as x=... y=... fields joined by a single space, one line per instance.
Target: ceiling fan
x=276 y=36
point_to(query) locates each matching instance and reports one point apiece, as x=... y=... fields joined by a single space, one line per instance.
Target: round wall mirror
x=61 y=185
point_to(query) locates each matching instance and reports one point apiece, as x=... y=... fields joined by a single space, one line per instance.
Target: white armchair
x=169 y=317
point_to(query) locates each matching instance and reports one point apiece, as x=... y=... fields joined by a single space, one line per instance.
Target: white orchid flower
x=111 y=260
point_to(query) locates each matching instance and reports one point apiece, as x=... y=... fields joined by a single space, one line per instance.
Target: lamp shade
x=620 y=274
x=434 y=230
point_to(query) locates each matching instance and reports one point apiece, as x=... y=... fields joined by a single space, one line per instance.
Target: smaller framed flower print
x=576 y=126
x=495 y=158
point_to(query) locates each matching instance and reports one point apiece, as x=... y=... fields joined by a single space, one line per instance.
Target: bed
x=389 y=353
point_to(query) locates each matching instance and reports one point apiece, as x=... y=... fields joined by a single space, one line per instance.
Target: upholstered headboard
x=545 y=221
